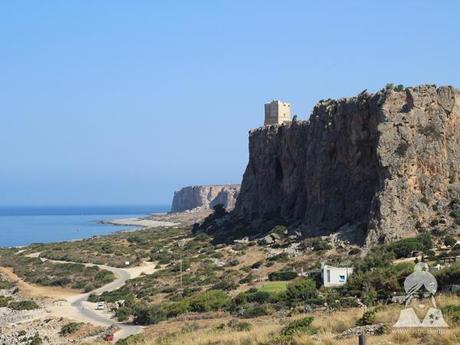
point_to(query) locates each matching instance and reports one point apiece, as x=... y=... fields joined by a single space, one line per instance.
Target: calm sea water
x=25 y=225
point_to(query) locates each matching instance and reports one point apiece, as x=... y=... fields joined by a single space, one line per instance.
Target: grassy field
x=274 y=287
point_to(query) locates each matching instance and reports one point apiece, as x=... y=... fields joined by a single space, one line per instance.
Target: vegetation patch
x=23 y=305
x=274 y=286
x=69 y=275
x=452 y=312
x=299 y=326
x=283 y=275
x=70 y=328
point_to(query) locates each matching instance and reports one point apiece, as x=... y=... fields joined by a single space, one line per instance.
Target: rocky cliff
x=372 y=168
x=192 y=197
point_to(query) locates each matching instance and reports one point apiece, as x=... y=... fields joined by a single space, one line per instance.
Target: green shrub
x=404 y=248
x=378 y=283
x=5 y=284
x=317 y=243
x=23 y=305
x=452 y=312
x=455 y=214
x=178 y=308
x=249 y=311
x=299 y=326
x=4 y=301
x=283 y=275
x=249 y=278
x=123 y=313
x=368 y=318
x=450 y=241
x=279 y=230
x=211 y=300
x=377 y=257
x=389 y=86
x=258 y=296
x=257 y=264
x=70 y=328
x=301 y=290
x=399 y=87
x=149 y=314
x=449 y=275
x=354 y=251
x=283 y=257
x=225 y=284
x=36 y=340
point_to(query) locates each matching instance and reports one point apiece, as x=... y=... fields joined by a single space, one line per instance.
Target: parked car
x=100 y=306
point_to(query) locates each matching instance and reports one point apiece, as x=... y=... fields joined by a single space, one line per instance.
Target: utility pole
x=181 y=284
x=362 y=339
x=181 y=245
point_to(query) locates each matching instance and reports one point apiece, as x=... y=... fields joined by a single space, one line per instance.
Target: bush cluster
x=299 y=326
x=23 y=305
x=452 y=312
x=212 y=300
x=283 y=275
x=70 y=328
x=405 y=247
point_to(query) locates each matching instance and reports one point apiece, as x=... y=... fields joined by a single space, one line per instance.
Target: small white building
x=335 y=276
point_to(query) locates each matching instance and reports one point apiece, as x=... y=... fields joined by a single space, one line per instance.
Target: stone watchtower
x=277 y=113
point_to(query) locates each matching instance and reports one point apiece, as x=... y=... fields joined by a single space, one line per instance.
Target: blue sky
x=122 y=102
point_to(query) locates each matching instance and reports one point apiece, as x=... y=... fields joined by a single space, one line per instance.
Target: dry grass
x=336 y=322
x=265 y=330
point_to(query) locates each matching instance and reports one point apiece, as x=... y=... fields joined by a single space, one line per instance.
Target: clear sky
x=122 y=102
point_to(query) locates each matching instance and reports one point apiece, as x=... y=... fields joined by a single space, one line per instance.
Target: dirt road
x=74 y=305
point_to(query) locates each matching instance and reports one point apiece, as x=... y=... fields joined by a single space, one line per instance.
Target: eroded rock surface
x=192 y=197
x=373 y=167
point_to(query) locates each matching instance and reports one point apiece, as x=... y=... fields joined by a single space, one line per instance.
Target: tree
x=450 y=241
x=301 y=290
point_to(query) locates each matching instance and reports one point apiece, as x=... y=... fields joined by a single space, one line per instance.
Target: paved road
x=91 y=315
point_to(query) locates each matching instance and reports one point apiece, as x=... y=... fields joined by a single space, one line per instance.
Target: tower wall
x=277 y=112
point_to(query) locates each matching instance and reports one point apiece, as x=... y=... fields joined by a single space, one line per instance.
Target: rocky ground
x=38 y=326
x=46 y=331
x=184 y=218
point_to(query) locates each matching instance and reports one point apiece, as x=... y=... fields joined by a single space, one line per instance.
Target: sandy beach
x=140 y=222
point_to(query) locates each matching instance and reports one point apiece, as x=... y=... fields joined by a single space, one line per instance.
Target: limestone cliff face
x=373 y=167
x=192 y=197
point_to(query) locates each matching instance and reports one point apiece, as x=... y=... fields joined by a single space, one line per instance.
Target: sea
x=20 y=226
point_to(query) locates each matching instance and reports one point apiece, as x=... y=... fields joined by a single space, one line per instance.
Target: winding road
x=85 y=311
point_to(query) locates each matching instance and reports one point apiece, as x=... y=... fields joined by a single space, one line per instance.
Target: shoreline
x=119 y=225
x=132 y=223
x=139 y=222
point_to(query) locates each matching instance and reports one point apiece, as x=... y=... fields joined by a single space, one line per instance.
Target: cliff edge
x=373 y=168
x=192 y=197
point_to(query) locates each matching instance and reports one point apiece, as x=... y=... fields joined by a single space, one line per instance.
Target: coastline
x=139 y=222
x=78 y=230
x=23 y=226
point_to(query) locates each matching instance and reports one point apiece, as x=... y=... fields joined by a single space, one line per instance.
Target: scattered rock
x=367 y=330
